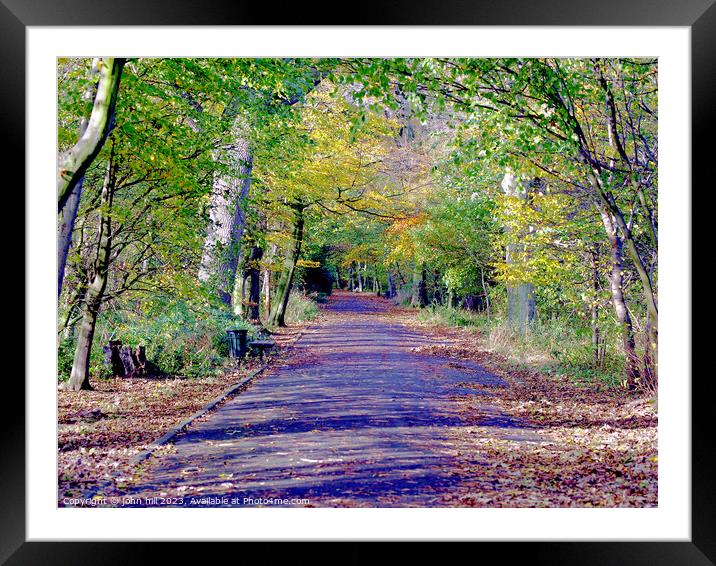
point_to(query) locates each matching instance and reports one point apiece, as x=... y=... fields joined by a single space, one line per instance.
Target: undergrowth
x=180 y=341
x=554 y=347
x=302 y=308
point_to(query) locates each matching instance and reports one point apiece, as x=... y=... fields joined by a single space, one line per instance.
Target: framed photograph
x=387 y=279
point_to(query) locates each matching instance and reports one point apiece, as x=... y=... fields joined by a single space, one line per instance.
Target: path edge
x=168 y=436
x=228 y=392
x=176 y=429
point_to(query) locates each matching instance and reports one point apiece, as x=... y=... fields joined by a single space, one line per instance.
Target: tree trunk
x=68 y=215
x=437 y=288
x=352 y=279
x=252 y=274
x=222 y=245
x=79 y=378
x=285 y=285
x=597 y=340
x=616 y=285
x=392 y=289
x=608 y=201
x=420 y=294
x=360 y=278
x=73 y=196
x=608 y=208
x=650 y=366
x=486 y=289
x=521 y=303
x=267 y=282
x=649 y=294
x=266 y=290
x=399 y=275
x=74 y=312
x=238 y=300
x=521 y=311
x=72 y=164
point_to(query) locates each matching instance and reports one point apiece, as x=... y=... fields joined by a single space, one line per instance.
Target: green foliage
x=397 y=167
x=66 y=353
x=450 y=316
x=65 y=356
x=560 y=346
x=181 y=340
x=300 y=308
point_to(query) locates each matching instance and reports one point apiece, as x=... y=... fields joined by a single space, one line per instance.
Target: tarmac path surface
x=354 y=417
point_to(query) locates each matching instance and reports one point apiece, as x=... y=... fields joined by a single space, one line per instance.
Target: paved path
x=354 y=418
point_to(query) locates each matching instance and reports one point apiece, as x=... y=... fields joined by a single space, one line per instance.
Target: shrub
x=450 y=316
x=184 y=342
x=403 y=296
x=179 y=340
x=300 y=308
x=561 y=346
x=564 y=347
x=65 y=356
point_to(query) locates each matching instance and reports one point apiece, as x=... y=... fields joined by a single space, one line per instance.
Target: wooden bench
x=260 y=346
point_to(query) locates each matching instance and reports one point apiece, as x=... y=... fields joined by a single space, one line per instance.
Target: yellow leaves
x=402 y=237
x=308 y=263
x=364 y=252
x=377 y=197
x=535 y=237
x=403 y=224
x=332 y=160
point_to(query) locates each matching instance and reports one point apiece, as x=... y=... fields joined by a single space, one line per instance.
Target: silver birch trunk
x=227 y=215
x=616 y=287
x=521 y=302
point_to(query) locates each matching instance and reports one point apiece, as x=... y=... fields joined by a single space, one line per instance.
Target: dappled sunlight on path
x=354 y=417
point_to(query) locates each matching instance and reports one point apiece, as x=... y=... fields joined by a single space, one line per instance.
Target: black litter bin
x=238 y=343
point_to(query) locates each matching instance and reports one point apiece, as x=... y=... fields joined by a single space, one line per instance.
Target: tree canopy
x=209 y=187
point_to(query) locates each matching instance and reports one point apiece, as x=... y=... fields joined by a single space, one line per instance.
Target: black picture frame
x=698 y=15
